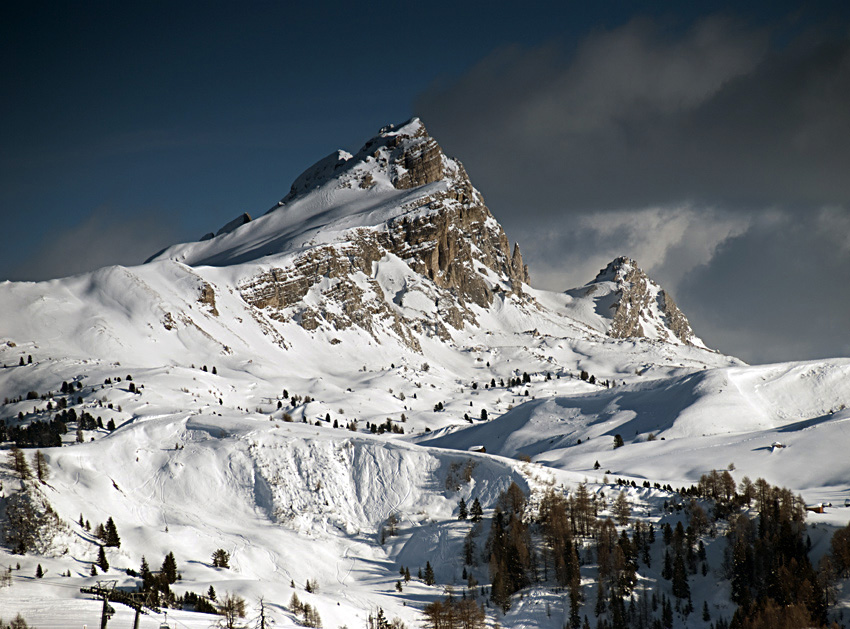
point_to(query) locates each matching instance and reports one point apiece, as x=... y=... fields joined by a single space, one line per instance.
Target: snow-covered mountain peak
x=401 y=172
x=404 y=156
x=395 y=230
x=630 y=304
x=618 y=270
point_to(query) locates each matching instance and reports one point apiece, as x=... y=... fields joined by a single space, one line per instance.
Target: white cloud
x=668 y=243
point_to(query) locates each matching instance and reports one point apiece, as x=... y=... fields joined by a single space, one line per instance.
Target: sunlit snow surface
x=204 y=460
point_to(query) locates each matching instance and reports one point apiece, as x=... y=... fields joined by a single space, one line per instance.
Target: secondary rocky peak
x=641 y=308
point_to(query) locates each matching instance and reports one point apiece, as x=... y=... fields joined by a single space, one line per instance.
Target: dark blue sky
x=124 y=128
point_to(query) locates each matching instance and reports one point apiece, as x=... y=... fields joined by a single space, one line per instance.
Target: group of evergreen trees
x=108 y=533
x=773 y=581
x=561 y=551
x=30 y=521
x=309 y=614
x=48 y=433
x=157 y=584
x=770 y=567
x=511 y=554
x=18 y=622
x=387 y=426
x=475 y=513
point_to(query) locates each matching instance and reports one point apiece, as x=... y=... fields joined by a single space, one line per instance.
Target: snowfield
x=338 y=456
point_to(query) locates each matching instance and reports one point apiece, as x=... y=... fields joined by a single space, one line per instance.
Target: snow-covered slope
x=696 y=422
x=296 y=379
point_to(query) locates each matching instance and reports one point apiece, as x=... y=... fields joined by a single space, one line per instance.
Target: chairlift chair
x=164 y=623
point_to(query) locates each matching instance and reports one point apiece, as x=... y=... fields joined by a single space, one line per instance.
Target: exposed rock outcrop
x=207 y=297
x=448 y=237
x=675 y=318
x=236 y=222
x=642 y=308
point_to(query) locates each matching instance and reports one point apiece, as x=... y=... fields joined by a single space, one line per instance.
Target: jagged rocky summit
x=636 y=306
x=399 y=201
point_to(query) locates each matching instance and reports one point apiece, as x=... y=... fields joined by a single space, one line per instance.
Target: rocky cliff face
x=641 y=307
x=394 y=239
x=447 y=236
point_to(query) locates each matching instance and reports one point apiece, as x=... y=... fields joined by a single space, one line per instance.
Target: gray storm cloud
x=695 y=152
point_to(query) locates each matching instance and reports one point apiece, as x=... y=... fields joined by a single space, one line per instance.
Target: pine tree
x=221 y=558
x=706 y=616
x=211 y=593
x=599 y=609
x=39 y=573
x=145 y=574
x=667 y=571
x=575 y=606
x=429 y=574
x=461 y=510
x=169 y=568
x=102 y=563
x=666 y=614
x=476 y=512
x=681 y=589
x=111 y=534
x=295 y=604
x=469 y=547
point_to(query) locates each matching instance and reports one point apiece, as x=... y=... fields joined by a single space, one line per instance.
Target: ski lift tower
x=140 y=602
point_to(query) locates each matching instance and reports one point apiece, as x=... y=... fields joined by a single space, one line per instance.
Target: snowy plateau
x=317 y=396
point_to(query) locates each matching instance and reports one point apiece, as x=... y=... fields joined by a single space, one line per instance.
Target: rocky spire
x=520 y=270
